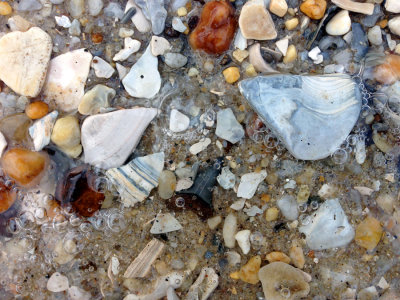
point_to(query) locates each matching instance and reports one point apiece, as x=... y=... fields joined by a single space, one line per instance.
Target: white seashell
x=253 y=211
x=311 y=115
x=243 y=239
x=122 y=71
x=258 y=61
x=362 y=8
x=226 y=179
x=165 y=223
x=328 y=227
x=200 y=146
x=135 y=180
x=340 y=24
x=178 y=25
x=228 y=128
x=57 y=283
x=178 y=122
x=288 y=207
x=240 y=41
x=143 y=80
x=139 y=20
x=204 y=285
x=102 y=69
x=66 y=79
x=108 y=139
x=249 y=183
x=40 y=131
x=130 y=46
x=63 y=21
x=159 y=45
x=3 y=144
x=283 y=45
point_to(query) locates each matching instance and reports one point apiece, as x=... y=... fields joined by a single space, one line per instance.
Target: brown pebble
x=315 y=9
x=277 y=256
x=36 y=110
x=97 y=38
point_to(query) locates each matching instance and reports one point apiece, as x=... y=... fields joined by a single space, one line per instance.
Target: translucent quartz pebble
x=155 y=12
x=328 y=227
x=311 y=115
x=57 y=283
x=228 y=128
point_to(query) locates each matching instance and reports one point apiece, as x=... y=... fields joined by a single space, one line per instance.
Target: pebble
x=175 y=60
x=165 y=223
x=303 y=194
x=200 y=146
x=368 y=233
x=291 y=55
x=271 y=214
x=138 y=19
x=228 y=128
x=297 y=256
x=178 y=25
x=66 y=79
x=214 y=222
x=114 y=10
x=178 y=122
x=29 y=5
x=130 y=46
x=288 y=207
x=36 y=110
x=5 y=8
x=57 y=283
x=32 y=48
x=95 y=99
x=255 y=22
x=249 y=272
x=249 y=183
x=240 y=55
x=392 y=6
x=67 y=135
x=277 y=256
x=226 y=179
x=63 y=21
x=125 y=32
x=233 y=258
x=238 y=204
x=229 y=230
x=394 y=25
x=340 y=24
x=41 y=130
x=166 y=184
x=159 y=45
x=375 y=36
x=3 y=144
x=291 y=24
x=95 y=7
x=182 y=11
x=102 y=69
x=122 y=71
x=231 y=74
x=316 y=56
x=24 y=166
x=17 y=23
x=283 y=45
x=154 y=11
x=243 y=239
x=278 y=7
x=75 y=28
x=143 y=80
x=216 y=28
x=314 y=9
x=76 y=8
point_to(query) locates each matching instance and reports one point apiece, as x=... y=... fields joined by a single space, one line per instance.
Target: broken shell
x=165 y=223
x=311 y=115
x=281 y=281
x=130 y=46
x=204 y=285
x=135 y=180
x=108 y=139
x=258 y=61
x=40 y=131
x=95 y=99
x=363 y=8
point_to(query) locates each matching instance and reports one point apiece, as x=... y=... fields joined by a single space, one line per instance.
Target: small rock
x=277 y=256
x=3 y=144
x=76 y=293
x=200 y=146
x=166 y=184
x=67 y=135
x=95 y=99
x=316 y=56
x=214 y=222
x=76 y=8
x=226 y=179
x=95 y=7
x=386 y=202
x=253 y=211
x=291 y=55
x=255 y=22
x=154 y=11
x=175 y=60
x=231 y=74
x=375 y=36
x=283 y=45
x=36 y=110
x=178 y=122
x=303 y=194
x=57 y=283
x=159 y=45
x=75 y=28
x=228 y=128
x=63 y=21
x=240 y=41
x=271 y=214
x=394 y=25
x=102 y=69
x=243 y=239
x=125 y=32
x=178 y=25
x=138 y=19
x=314 y=9
x=238 y=204
x=165 y=223
x=392 y=6
x=233 y=258
x=278 y=7
x=249 y=272
x=229 y=230
x=130 y=46
x=19 y=50
x=29 y=5
x=143 y=80
x=327 y=191
x=5 y=9
x=368 y=293
x=17 y=23
x=122 y=71
x=292 y=23
x=114 y=10
x=240 y=55
x=288 y=206
x=368 y=233
x=340 y=24
x=297 y=256
x=41 y=130
x=249 y=183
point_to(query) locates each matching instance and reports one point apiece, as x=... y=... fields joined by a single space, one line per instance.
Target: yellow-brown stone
x=36 y=110
x=315 y=9
x=277 y=256
x=249 y=272
x=368 y=233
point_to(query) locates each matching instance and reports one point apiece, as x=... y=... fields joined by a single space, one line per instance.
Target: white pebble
x=200 y=146
x=63 y=21
x=178 y=122
x=375 y=35
x=178 y=25
x=102 y=69
x=229 y=230
x=57 y=283
x=340 y=24
x=243 y=239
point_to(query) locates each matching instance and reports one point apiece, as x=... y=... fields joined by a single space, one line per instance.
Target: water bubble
x=180 y=202
x=285 y=292
x=26 y=220
x=314 y=205
x=305 y=220
x=340 y=156
x=59 y=223
x=99 y=222
x=116 y=222
x=75 y=221
x=40 y=213
x=13 y=226
x=85 y=227
x=257 y=137
x=303 y=207
x=257 y=240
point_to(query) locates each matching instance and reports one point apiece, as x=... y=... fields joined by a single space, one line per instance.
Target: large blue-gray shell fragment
x=311 y=115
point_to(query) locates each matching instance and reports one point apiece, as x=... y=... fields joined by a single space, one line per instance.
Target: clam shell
x=311 y=115
x=108 y=139
x=135 y=180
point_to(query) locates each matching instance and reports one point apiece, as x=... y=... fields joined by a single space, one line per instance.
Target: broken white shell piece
x=40 y=131
x=257 y=60
x=102 y=69
x=108 y=139
x=163 y=286
x=135 y=180
x=66 y=79
x=57 y=283
x=283 y=45
x=143 y=80
x=240 y=41
x=178 y=122
x=115 y=265
x=138 y=19
x=141 y=265
x=178 y=25
x=316 y=56
x=159 y=45
x=253 y=211
x=3 y=144
x=226 y=179
x=362 y=8
x=200 y=146
x=243 y=239
x=238 y=204
x=130 y=46
x=122 y=71
x=63 y=21
x=249 y=183
x=204 y=285
x=165 y=223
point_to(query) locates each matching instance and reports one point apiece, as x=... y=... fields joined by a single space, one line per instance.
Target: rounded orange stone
x=389 y=71
x=216 y=28
x=36 y=110
x=24 y=166
x=5 y=8
x=97 y=38
x=7 y=197
x=368 y=233
x=314 y=9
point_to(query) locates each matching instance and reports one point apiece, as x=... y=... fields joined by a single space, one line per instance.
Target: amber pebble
x=368 y=233
x=15 y=129
x=36 y=110
x=77 y=190
x=249 y=272
x=9 y=207
x=5 y=8
x=315 y=9
x=7 y=197
x=216 y=28
x=97 y=38
x=24 y=166
x=389 y=71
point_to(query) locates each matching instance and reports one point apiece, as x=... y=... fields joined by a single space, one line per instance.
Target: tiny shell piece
x=140 y=267
x=165 y=223
x=204 y=285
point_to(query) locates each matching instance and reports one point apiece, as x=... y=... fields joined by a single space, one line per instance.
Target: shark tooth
x=311 y=115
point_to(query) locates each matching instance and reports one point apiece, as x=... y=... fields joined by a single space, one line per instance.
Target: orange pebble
x=97 y=38
x=315 y=9
x=5 y=9
x=389 y=71
x=36 y=110
x=382 y=24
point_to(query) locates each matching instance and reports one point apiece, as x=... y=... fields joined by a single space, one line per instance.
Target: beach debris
x=165 y=223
